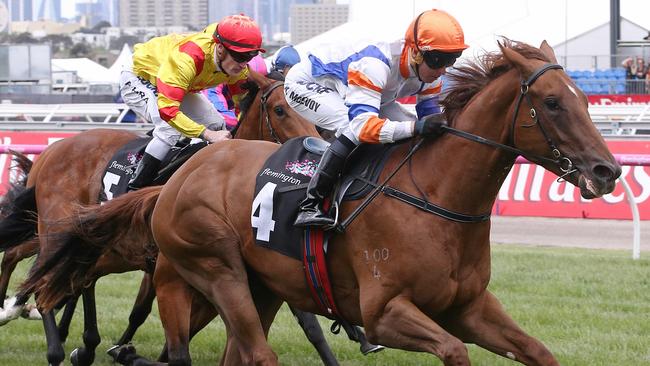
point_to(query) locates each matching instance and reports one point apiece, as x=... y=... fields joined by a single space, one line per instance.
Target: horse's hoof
x=74 y=357
x=30 y=312
x=10 y=311
x=367 y=349
x=119 y=352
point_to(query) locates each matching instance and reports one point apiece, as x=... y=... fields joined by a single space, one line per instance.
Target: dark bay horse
x=428 y=293
x=54 y=195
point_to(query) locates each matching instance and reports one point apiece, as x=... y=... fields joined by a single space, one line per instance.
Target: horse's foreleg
x=400 y=324
x=314 y=333
x=485 y=323
x=86 y=354
x=7 y=267
x=139 y=313
x=10 y=310
x=66 y=318
x=13 y=308
x=55 y=353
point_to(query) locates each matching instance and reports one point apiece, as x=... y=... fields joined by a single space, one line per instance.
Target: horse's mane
x=253 y=89
x=469 y=78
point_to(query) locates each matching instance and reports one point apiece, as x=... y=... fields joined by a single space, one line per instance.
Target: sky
x=533 y=20
x=530 y=21
x=67 y=8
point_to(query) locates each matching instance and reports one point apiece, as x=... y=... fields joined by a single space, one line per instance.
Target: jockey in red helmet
x=352 y=89
x=167 y=75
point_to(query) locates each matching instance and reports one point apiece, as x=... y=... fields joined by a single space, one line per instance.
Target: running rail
x=622 y=159
x=629 y=160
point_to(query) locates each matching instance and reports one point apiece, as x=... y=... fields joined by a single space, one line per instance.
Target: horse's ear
x=547 y=50
x=522 y=64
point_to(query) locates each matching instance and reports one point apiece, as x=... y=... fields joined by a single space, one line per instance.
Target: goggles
x=242 y=57
x=438 y=59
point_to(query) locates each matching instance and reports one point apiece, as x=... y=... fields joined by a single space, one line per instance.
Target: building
x=310 y=20
x=20 y=10
x=47 y=9
x=164 y=13
x=33 y=10
x=43 y=28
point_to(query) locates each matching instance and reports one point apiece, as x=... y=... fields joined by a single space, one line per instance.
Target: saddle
x=121 y=166
x=283 y=179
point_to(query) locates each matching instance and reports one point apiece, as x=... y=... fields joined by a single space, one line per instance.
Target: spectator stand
x=604 y=81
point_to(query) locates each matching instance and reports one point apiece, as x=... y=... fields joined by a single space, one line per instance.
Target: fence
x=623 y=159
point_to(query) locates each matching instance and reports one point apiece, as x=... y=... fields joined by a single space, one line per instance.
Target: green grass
x=590 y=307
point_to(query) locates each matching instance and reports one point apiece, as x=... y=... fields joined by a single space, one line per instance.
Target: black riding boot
x=145 y=172
x=321 y=184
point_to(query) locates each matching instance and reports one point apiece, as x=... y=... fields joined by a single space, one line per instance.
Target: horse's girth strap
x=316 y=274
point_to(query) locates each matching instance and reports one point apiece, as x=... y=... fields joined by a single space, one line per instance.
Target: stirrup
x=312 y=221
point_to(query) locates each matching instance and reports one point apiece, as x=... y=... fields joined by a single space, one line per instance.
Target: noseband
x=264 y=112
x=565 y=164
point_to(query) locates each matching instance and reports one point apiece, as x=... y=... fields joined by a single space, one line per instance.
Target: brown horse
x=54 y=196
x=428 y=293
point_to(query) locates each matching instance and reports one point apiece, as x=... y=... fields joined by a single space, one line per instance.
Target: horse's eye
x=552 y=104
x=279 y=111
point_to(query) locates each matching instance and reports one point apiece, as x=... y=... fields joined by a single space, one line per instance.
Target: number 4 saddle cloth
x=282 y=181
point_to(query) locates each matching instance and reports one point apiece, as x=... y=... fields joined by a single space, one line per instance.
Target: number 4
x=264 y=223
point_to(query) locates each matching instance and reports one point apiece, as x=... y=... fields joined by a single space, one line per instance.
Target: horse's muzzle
x=599 y=180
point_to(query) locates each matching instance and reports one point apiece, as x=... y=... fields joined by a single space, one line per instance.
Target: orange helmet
x=435 y=30
x=239 y=33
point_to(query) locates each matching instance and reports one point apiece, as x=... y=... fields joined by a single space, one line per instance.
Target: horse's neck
x=463 y=175
x=249 y=126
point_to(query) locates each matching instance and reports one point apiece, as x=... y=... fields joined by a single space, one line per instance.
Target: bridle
x=564 y=163
x=429 y=207
x=264 y=112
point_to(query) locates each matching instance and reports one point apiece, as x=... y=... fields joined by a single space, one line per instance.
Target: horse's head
x=266 y=114
x=550 y=120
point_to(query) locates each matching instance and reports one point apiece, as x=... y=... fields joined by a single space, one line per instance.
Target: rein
x=423 y=204
x=264 y=112
x=565 y=164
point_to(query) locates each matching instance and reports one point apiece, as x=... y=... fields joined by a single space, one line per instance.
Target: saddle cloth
x=281 y=185
x=121 y=166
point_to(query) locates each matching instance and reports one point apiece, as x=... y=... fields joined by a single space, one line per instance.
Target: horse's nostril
x=606 y=172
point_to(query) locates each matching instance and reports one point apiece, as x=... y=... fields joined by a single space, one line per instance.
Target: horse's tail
x=18 y=208
x=64 y=271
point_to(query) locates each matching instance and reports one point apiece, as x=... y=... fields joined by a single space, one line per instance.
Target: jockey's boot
x=321 y=184
x=144 y=173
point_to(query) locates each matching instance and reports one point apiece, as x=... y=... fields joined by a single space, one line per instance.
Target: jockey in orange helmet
x=167 y=75
x=352 y=89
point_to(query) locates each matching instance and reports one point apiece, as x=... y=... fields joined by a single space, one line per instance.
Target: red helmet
x=239 y=33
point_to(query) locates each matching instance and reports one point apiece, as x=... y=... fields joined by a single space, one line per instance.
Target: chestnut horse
x=54 y=195
x=428 y=293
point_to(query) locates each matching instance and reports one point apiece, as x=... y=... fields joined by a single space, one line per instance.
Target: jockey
x=168 y=72
x=226 y=100
x=284 y=59
x=353 y=90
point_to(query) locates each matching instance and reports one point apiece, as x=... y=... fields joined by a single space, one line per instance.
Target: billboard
x=529 y=190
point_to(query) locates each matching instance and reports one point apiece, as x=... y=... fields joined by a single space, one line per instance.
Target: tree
x=118 y=43
x=23 y=38
x=80 y=50
x=59 y=42
x=99 y=27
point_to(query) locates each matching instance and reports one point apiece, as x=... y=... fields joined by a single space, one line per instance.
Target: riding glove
x=431 y=125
